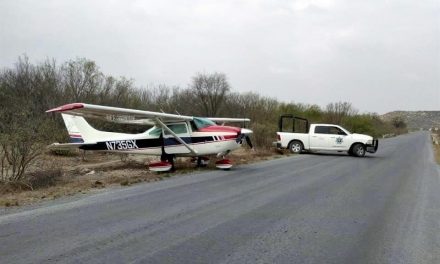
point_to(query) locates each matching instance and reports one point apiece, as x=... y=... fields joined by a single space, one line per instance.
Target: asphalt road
x=384 y=208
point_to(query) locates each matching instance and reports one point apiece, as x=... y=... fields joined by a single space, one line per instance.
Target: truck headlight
x=370 y=142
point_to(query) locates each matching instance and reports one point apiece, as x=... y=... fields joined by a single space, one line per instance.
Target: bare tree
x=25 y=92
x=17 y=152
x=211 y=90
x=398 y=122
x=82 y=79
x=336 y=112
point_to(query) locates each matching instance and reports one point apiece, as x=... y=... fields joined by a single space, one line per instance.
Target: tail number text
x=121 y=144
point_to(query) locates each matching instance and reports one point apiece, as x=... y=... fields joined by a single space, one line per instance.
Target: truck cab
x=297 y=135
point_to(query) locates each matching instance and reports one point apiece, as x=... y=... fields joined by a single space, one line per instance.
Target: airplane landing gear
x=166 y=163
x=224 y=164
x=160 y=166
x=170 y=159
x=200 y=161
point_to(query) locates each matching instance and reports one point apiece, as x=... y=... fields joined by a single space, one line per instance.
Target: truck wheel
x=296 y=147
x=359 y=150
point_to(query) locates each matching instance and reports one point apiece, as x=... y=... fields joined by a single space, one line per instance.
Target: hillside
x=416 y=119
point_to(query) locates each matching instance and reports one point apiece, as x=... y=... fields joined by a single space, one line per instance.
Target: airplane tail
x=79 y=130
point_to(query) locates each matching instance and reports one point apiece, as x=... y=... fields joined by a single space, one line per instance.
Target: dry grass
x=100 y=171
x=437 y=153
x=436 y=142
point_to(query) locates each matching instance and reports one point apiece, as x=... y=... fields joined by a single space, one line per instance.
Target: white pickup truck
x=325 y=137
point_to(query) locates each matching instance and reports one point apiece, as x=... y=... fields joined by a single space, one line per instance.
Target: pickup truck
x=321 y=137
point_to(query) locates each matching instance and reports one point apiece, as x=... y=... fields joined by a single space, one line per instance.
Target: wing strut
x=175 y=136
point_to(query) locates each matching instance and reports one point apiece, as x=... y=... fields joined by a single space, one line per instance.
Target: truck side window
x=336 y=131
x=321 y=130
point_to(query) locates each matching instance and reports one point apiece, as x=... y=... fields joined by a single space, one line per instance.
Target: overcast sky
x=380 y=55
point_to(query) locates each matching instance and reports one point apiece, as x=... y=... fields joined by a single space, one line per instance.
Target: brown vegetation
x=437 y=153
x=27 y=90
x=436 y=143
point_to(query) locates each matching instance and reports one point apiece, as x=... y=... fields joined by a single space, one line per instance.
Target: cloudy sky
x=380 y=55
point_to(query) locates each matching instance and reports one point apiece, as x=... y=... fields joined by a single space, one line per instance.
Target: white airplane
x=171 y=135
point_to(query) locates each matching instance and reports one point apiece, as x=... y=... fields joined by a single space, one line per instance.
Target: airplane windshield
x=154 y=131
x=203 y=122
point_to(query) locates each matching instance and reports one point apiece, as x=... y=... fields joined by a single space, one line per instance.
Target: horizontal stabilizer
x=69 y=145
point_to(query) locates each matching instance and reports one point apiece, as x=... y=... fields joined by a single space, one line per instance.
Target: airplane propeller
x=249 y=142
x=244 y=134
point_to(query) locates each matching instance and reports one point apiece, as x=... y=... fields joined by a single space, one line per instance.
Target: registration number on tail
x=121 y=144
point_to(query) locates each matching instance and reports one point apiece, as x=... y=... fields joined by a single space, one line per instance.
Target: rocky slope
x=416 y=119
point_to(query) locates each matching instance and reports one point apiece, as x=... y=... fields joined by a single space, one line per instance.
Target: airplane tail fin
x=79 y=130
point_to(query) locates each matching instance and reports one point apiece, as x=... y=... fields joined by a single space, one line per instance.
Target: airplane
x=170 y=136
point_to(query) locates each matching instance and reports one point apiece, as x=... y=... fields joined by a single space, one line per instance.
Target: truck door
x=329 y=138
x=319 y=137
x=337 y=138
x=172 y=146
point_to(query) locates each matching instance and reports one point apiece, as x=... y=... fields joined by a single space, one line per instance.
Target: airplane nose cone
x=246 y=131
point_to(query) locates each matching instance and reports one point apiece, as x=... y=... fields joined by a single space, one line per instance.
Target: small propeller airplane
x=170 y=136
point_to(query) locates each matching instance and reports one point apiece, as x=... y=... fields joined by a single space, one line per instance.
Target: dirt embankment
x=57 y=176
x=436 y=142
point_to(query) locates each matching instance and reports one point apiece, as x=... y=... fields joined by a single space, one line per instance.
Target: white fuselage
x=151 y=142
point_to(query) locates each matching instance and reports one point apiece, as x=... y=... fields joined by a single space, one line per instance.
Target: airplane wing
x=228 y=120
x=117 y=114
x=130 y=116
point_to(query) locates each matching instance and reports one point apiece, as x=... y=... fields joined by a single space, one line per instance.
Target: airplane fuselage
x=205 y=141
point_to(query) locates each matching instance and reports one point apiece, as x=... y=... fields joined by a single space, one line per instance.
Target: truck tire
x=358 y=150
x=296 y=147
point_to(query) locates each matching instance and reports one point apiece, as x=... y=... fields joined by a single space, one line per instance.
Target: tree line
x=28 y=89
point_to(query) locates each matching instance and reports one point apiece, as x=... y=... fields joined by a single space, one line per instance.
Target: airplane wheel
x=160 y=166
x=223 y=164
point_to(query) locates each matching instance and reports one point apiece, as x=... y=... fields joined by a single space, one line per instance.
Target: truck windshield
x=203 y=122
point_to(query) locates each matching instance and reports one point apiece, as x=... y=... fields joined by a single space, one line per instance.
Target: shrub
x=44 y=178
x=64 y=152
x=17 y=152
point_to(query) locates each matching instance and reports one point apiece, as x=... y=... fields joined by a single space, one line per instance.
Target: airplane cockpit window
x=193 y=126
x=177 y=128
x=154 y=131
x=203 y=122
